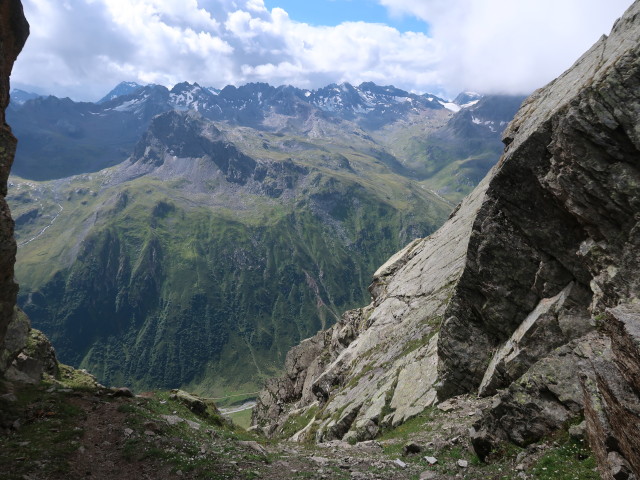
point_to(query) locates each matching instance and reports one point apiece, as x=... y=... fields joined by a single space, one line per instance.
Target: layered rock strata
x=529 y=292
x=14 y=30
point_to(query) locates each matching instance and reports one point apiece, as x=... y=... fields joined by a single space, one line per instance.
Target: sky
x=333 y=12
x=83 y=48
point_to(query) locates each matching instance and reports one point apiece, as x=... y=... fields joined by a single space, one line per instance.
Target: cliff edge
x=529 y=293
x=14 y=31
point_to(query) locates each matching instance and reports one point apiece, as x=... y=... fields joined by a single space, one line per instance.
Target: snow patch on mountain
x=469 y=104
x=122 y=89
x=450 y=106
x=19 y=97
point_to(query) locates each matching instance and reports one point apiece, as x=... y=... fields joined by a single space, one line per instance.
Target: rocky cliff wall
x=528 y=293
x=14 y=30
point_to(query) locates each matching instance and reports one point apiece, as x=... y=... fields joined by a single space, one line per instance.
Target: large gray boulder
x=527 y=293
x=35 y=358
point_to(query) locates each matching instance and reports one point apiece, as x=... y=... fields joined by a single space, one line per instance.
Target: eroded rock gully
x=528 y=293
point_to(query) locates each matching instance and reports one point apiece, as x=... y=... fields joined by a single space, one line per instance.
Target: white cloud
x=82 y=48
x=507 y=45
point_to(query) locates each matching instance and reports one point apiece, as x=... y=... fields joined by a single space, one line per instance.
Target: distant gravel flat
x=241 y=408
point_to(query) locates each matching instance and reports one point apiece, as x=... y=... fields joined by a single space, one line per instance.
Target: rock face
x=378 y=365
x=34 y=354
x=529 y=292
x=14 y=30
x=612 y=409
x=25 y=354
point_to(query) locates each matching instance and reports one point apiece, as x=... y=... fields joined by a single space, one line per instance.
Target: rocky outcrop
x=25 y=354
x=15 y=338
x=529 y=292
x=561 y=206
x=541 y=401
x=611 y=392
x=184 y=144
x=551 y=324
x=377 y=367
x=14 y=30
x=34 y=355
x=194 y=403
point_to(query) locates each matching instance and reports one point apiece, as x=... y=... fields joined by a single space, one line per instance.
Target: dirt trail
x=53 y=433
x=100 y=455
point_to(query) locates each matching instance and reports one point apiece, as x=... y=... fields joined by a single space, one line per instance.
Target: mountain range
x=80 y=137
x=505 y=344
x=190 y=237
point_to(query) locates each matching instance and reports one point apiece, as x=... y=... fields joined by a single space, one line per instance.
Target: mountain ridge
x=83 y=137
x=123 y=88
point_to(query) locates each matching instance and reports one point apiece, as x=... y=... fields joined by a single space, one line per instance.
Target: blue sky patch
x=334 y=12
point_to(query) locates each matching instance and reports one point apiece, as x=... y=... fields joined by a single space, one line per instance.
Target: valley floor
x=71 y=430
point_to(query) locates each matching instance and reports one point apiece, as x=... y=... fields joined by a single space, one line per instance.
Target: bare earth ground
x=49 y=432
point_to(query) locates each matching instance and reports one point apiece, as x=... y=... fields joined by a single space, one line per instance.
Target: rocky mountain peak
x=175 y=133
x=185 y=96
x=381 y=90
x=19 y=97
x=467 y=98
x=249 y=90
x=123 y=88
x=176 y=139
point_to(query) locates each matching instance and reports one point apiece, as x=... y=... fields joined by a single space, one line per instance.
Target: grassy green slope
x=145 y=284
x=446 y=161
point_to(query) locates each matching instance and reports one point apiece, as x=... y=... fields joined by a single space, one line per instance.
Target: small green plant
x=126 y=408
x=420 y=423
x=295 y=423
x=69 y=377
x=570 y=460
x=417 y=343
x=46 y=433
